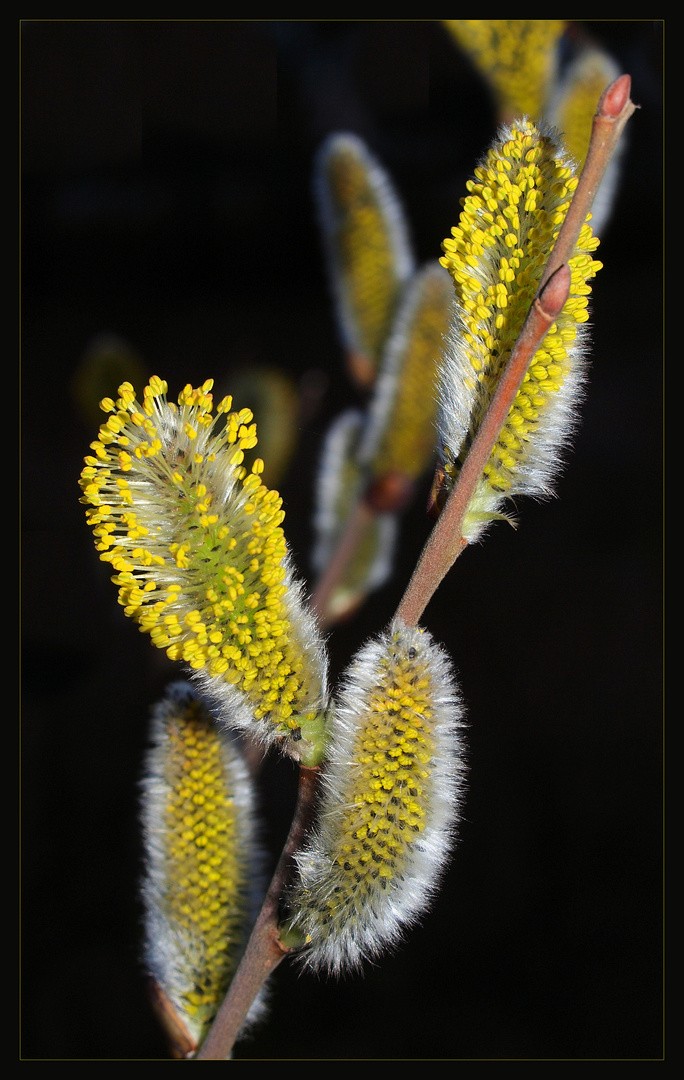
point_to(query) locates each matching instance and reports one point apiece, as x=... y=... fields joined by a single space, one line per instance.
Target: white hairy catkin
x=390 y=802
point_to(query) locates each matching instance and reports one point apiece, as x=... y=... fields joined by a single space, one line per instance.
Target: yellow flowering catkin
x=400 y=436
x=200 y=859
x=517 y=57
x=389 y=806
x=510 y=220
x=201 y=560
x=366 y=244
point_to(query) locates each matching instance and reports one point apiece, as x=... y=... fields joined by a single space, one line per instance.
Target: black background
x=166 y=198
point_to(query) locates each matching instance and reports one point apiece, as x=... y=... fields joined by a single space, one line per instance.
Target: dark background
x=166 y=198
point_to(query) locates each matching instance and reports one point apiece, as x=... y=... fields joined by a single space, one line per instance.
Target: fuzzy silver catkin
x=203 y=877
x=366 y=243
x=390 y=802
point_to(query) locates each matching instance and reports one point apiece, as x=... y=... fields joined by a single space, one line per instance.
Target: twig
x=264 y=950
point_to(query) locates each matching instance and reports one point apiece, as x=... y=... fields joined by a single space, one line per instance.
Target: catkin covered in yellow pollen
x=395 y=748
x=390 y=802
x=510 y=220
x=198 y=887
x=197 y=546
x=203 y=866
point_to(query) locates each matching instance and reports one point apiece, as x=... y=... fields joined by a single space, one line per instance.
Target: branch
x=265 y=950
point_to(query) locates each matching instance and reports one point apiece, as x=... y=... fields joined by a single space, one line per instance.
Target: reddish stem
x=265 y=951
